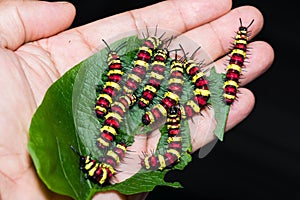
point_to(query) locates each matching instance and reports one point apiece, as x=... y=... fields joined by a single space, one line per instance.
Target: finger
x=115 y=195
x=216 y=38
x=24 y=21
x=152 y=141
x=203 y=126
x=259 y=59
x=180 y=16
x=241 y=108
x=108 y=195
x=174 y=15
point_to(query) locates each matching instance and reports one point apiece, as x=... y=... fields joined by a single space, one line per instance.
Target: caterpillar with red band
x=141 y=63
x=114 y=156
x=113 y=119
x=100 y=171
x=158 y=67
x=171 y=97
x=114 y=76
x=236 y=63
x=201 y=93
x=172 y=153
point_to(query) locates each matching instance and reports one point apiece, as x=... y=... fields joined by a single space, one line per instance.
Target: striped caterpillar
x=172 y=153
x=158 y=67
x=201 y=91
x=171 y=97
x=114 y=76
x=236 y=62
x=141 y=64
x=100 y=171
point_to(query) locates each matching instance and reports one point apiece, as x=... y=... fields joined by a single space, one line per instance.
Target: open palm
x=34 y=52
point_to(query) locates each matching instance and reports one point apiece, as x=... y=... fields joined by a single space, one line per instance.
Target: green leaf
x=221 y=110
x=66 y=117
x=144 y=182
x=51 y=134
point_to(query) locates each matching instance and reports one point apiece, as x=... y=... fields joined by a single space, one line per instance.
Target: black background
x=259 y=158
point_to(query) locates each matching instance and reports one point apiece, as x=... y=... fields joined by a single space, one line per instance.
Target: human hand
x=35 y=51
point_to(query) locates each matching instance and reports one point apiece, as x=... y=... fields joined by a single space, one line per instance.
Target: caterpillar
x=236 y=62
x=113 y=119
x=156 y=76
x=201 y=90
x=114 y=75
x=101 y=171
x=172 y=153
x=171 y=97
x=141 y=63
x=173 y=127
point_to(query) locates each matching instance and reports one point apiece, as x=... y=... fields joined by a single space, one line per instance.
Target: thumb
x=25 y=21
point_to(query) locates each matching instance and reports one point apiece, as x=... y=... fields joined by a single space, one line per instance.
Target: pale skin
x=36 y=50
